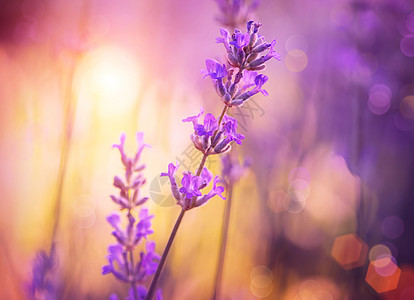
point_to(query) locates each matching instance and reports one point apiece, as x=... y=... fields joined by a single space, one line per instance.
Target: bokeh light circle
x=385 y=266
x=392 y=227
x=300 y=186
x=261 y=281
x=297 y=41
x=296 y=60
x=294 y=202
x=379 y=103
x=261 y=270
x=380 y=88
x=275 y=200
x=84 y=211
x=407 y=45
x=299 y=173
x=378 y=251
x=407 y=107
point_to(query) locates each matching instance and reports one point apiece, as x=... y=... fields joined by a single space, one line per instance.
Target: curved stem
x=164 y=256
x=223 y=244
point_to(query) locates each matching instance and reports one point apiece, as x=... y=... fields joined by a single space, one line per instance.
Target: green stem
x=223 y=244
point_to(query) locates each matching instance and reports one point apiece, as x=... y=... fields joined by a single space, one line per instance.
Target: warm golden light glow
x=109 y=76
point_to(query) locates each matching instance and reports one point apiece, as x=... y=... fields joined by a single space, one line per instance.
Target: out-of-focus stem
x=68 y=128
x=223 y=243
x=70 y=109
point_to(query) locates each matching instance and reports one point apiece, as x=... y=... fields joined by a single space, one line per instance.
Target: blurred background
x=325 y=210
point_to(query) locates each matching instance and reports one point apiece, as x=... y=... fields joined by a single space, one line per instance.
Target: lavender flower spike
x=120 y=256
x=245 y=54
x=214 y=69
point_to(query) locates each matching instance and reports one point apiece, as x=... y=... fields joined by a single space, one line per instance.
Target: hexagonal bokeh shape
x=349 y=251
x=383 y=282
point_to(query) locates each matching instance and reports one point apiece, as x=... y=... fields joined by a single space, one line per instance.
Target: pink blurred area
x=75 y=74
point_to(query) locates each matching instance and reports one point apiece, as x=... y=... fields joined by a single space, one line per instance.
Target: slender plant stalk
x=223 y=243
x=70 y=109
x=164 y=255
x=68 y=129
x=151 y=290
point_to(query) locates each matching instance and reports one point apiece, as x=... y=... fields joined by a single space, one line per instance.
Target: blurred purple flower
x=42 y=282
x=148 y=263
x=120 y=263
x=235 y=12
x=232 y=170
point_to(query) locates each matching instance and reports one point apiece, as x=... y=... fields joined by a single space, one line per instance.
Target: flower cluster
x=190 y=195
x=232 y=169
x=239 y=81
x=211 y=137
x=120 y=255
x=235 y=12
x=43 y=285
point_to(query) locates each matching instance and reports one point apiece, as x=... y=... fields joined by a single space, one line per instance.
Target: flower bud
x=252 y=57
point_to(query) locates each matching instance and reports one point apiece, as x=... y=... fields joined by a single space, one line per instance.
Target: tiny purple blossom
x=232 y=170
x=195 y=118
x=214 y=69
x=210 y=125
x=272 y=52
x=216 y=190
x=248 y=79
x=260 y=80
x=190 y=193
x=240 y=40
x=117 y=264
x=120 y=147
x=225 y=36
x=190 y=185
x=230 y=128
x=150 y=259
x=172 y=169
x=206 y=176
x=143 y=227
